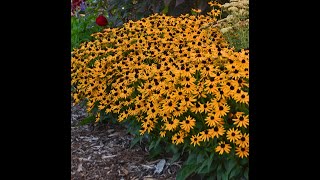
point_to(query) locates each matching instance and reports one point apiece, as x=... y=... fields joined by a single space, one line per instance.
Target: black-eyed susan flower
x=188 y=101
x=187 y=124
x=216 y=131
x=233 y=135
x=243 y=140
x=213 y=120
x=178 y=111
x=162 y=133
x=197 y=108
x=242 y=97
x=242 y=121
x=178 y=137
x=222 y=110
x=169 y=106
x=196 y=10
x=195 y=140
x=205 y=135
x=242 y=151
x=223 y=147
x=171 y=125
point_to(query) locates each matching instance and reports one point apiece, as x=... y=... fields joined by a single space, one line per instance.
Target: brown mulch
x=103 y=152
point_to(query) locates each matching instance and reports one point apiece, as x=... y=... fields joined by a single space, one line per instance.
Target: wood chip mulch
x=102 y=152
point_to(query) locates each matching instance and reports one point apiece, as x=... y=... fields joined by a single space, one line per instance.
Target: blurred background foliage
x=118 y=12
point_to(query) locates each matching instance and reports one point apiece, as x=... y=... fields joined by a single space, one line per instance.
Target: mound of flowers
x=174 y=77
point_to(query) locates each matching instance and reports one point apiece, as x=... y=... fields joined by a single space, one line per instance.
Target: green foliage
x=87 y=120
x=81 y=29
x=238 y=38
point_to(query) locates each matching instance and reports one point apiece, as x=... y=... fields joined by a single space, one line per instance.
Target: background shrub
x=235 y=26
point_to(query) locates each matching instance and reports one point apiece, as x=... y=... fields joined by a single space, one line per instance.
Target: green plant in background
x=238 y=37
x=81 y=29
x=235 y=26
x=175 y=82
x=83 y=23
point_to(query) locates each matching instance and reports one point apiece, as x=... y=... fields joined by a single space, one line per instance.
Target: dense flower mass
x=175 y=76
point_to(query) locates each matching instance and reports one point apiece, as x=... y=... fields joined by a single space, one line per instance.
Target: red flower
x=101 y=20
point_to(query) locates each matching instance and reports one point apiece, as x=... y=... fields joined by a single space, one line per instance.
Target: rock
x=159 y=166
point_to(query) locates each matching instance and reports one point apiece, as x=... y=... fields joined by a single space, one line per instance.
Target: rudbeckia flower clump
x=176 y=77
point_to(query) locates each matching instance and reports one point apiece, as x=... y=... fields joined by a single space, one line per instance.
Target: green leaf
x=229 y=165
x=200 y=158
x=155 y=152
x=165 y=10
x=185 y=171
x=135 y=141
x=166 y=2
x=202 y=169
x=220 y=172
x=152 y=145
x=174 y=158
x=246 y=173
x=172 y=148
x=87 y=120
x=157 y=142
x=235 y=172
x=192 y=159
x=244 y=161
